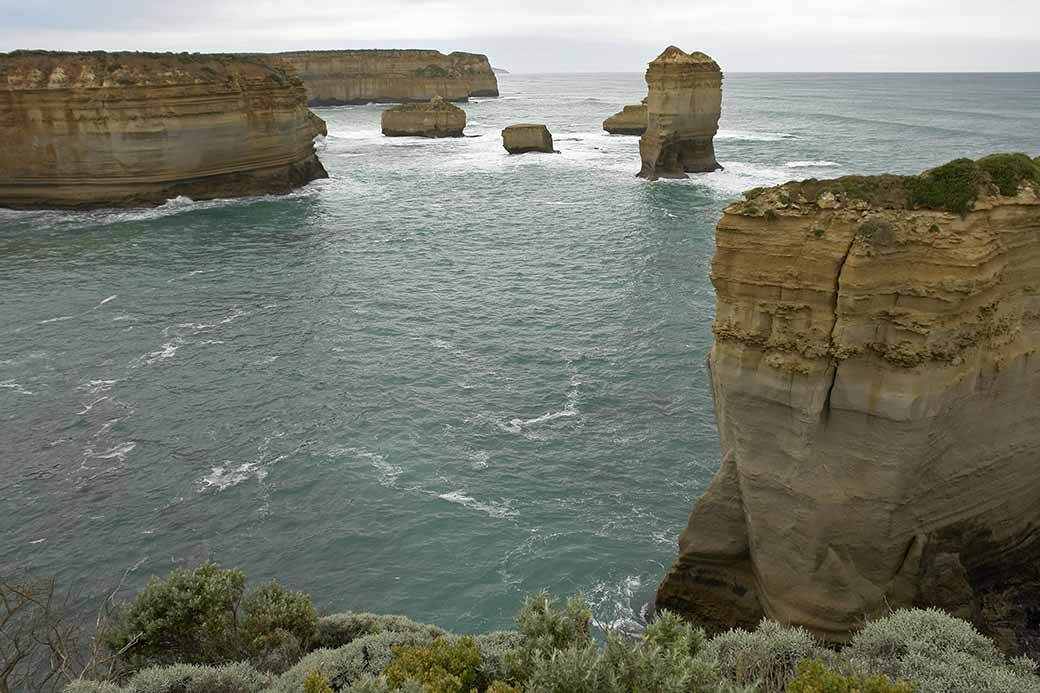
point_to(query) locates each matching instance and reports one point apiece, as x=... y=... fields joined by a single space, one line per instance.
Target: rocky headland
x=349 y=77
x=136 y=129
x=629 y=121
x=875 y=373
x=438 y=118
x=526 y=137
x=683 y=108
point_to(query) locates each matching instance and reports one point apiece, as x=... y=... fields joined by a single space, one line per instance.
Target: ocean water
x=440 y=379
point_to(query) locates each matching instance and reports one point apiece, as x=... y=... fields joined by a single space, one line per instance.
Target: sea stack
x=683 y=108
x=136 y=129
x=875 y=371
x=338 y=78
x=524 y=138
x=629 y=121
x=438 y=118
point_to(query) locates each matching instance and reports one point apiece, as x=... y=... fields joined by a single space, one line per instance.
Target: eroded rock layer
x=876 y=381
x=438 y=118
x=335 y=78
x=629 y=121
x=126 y=129
x=683 y=108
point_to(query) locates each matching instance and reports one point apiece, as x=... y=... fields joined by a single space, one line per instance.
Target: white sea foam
x=88 y=407
x=812 y=164
x=229 y=475
x=570 y=410
x=117 y=452
x=166 y=351
x=388 y=473
x=479 y=458
x=12 y=385
x=746 y=136
x=499 y=510
x=613 y=608
x=110 y=298
x=96 y=386
x=63 y=318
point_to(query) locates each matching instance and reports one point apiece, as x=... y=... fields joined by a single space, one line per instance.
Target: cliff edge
x=875 y=375
x=347 y=77
x=136 y=129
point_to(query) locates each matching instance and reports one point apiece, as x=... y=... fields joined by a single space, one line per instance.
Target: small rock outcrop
x=875 y=369
x=629 y=121
x=683 y=108
x=438 y=118
x=338 y=78
x=524 y=138
x=136 y=129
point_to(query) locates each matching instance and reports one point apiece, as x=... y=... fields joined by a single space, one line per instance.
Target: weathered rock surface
x=524 y=138
x=683 y=108
x=438 y=118
x=876 y=378
x=335 y=78
x=129 y=129
x=629 y=121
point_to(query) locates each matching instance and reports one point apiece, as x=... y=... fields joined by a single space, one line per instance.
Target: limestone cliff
x=336 y=78
x=438 y=118
x=629 y=121
x=876 y=379
x=683 y=108
x=525 y=138
x=101 y=129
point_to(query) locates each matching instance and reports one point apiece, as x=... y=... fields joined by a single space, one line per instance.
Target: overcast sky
x=562 y=35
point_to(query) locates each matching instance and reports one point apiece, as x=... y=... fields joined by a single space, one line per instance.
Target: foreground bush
x=767 y=657
x=341 y=629
x=442 y=667
x=205 y=616
x=939 y=654
x=343 y=666
x=813 y=677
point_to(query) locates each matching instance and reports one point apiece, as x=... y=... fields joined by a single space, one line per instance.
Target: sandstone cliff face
x=438 y=118
x=876 y=379
x=630 y=121
x=100 y=129
x=683 y=108
x=335 y=78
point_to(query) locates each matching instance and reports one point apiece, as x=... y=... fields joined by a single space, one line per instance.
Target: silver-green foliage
x=367 y=655
x=497 y=650
x=767 y=657
x=576 y=669
x=337 y=630
x=546 y=627
x=939 y=654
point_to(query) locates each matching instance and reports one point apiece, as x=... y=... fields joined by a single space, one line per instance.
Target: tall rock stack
x=683 y=109
x=133 y=129
x=876 y=379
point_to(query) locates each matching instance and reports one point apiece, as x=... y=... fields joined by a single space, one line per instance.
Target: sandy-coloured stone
x=683 y=108
x=336 y=78
x=524 y=138
x=629 y=121
x=876 y=376
x=438 y=118
x=136 y=129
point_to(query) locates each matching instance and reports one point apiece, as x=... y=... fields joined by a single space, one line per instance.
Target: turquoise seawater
x=439 y=380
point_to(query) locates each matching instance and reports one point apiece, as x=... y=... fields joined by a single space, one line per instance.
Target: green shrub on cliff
x=341 y=629
x=767 y=657
x=938 y=653
x=813 y=677
x=952 y=187
x=546 y=627
x=188 y=678
x=1008 y=171
x=206 y=616
x=444 y=666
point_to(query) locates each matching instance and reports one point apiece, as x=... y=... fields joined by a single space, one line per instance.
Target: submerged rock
x=683 y=109
x=136 y=129
x=524 y=138
x=629 y=121
x=438 y=118
x=875 y=376
x=336 y=78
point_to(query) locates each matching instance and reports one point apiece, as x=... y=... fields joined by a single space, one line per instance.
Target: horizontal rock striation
x=438 y=118
x=133 y=129
x=346 y=77
x=629 y=121
x=683 y=106
x=876 y=380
